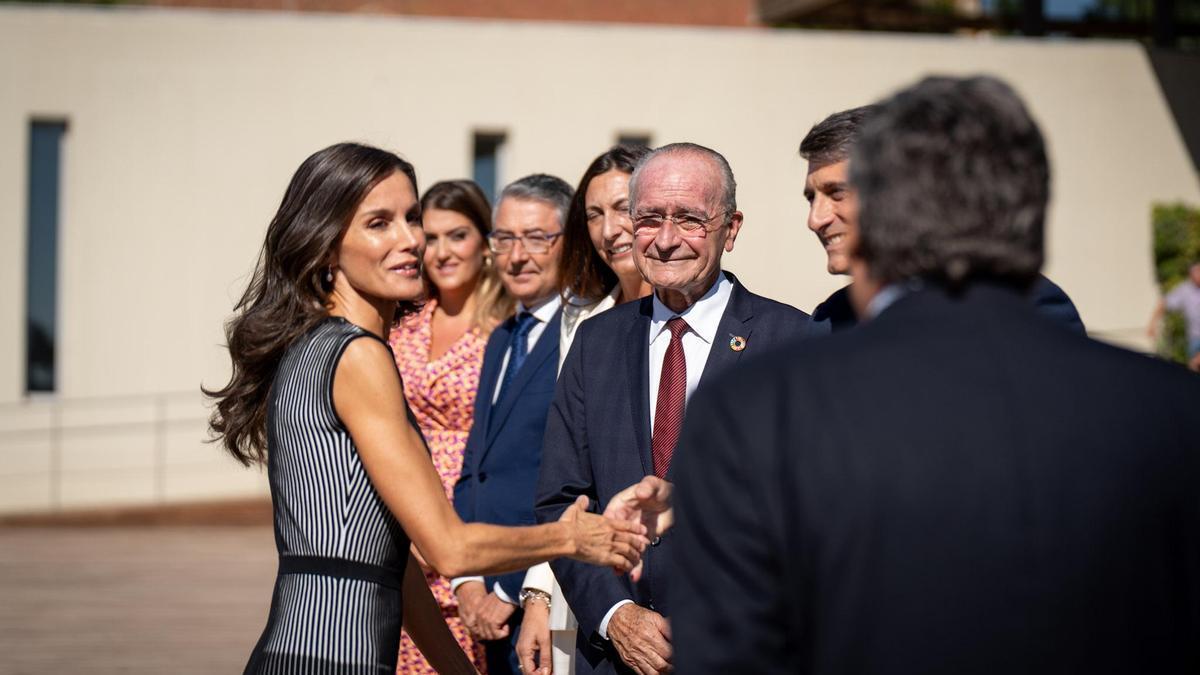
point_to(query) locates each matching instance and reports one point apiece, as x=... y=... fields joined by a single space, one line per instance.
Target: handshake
x=634 y=517
x=647 y=503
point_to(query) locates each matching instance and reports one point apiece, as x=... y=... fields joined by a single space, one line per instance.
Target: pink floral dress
x=441 y=394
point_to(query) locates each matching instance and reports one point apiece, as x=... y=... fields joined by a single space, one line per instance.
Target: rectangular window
x=41 y=262
x=634 y=138
x=485 y=165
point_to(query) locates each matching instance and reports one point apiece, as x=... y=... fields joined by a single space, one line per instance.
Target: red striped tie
x=672 y=394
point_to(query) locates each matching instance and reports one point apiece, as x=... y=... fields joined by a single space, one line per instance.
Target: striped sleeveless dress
x=337 y=604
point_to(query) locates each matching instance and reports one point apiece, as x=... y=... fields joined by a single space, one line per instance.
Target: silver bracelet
x=528 y=594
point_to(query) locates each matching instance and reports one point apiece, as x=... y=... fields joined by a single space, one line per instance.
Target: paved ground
x=136 y=600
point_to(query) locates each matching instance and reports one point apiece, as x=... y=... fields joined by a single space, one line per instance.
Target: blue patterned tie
x=518 y=349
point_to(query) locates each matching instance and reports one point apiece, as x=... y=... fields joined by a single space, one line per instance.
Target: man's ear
x=735 y=226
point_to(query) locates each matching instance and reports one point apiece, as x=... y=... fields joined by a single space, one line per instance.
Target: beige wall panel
x=212 y=481
x=25 y=493
x=25 y=455
x=133 y=415
x=102 y=450
x=107 y=487
x=13 y=187
x=184 y=447
x=25 y=416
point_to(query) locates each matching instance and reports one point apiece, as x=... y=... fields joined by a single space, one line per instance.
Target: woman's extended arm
x=368 y=398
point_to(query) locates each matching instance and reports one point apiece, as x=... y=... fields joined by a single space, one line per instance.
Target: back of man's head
x=953 y=183
x=830 y=140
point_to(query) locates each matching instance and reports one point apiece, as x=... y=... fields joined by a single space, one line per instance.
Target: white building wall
x=185 y=127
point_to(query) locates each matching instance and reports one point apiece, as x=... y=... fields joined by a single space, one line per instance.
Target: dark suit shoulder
x=1053 y=302
x=770 y=307
x=836 y=313
x=613 y=321
x=779 y=320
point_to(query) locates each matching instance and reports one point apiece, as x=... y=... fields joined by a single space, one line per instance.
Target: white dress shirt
x=576 y=312
x=703 y=318
x=544 y=313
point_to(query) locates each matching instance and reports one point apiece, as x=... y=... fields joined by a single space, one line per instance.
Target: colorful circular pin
x=737 y=343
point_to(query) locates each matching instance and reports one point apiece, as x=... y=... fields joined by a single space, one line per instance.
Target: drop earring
x=329 y=274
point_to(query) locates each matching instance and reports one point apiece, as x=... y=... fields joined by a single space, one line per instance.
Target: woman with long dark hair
x=439 y=352
x=315 y=396
x=596 y=268
x=597 y=273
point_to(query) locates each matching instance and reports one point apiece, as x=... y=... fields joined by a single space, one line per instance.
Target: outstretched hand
x=607 y=542
x=647 y=502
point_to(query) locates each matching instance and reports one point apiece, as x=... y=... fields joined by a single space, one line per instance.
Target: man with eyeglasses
x=516 y=384
x=625 y=383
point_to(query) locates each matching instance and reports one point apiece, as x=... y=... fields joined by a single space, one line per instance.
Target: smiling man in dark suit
x=833 y=218
x=516 y=384
x=956 y=485
x=624 y=386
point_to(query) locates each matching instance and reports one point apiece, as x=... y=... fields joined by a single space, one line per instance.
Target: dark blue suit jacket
x=504 y=449
x=957 y=486
x=835 y=314
x=598 y=442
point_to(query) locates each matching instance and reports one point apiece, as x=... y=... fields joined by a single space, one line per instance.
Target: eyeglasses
x=534 y=242
x=648 y=224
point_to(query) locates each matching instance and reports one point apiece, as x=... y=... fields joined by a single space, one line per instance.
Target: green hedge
x=1176 y=245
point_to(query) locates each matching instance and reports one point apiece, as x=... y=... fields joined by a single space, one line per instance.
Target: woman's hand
x=533 y=644
x=604 y=541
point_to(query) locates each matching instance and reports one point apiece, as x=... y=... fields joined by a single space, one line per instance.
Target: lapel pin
x=737 y=343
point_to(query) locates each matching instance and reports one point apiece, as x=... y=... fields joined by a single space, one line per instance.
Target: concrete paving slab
x=136 y=600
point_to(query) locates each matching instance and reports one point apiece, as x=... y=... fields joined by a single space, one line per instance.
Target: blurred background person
x=1185 y=299
x=316 y=396
x=516 y=385
x=439 y=351
x=596 y=273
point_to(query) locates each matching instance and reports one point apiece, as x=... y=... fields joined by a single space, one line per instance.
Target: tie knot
x=525 y=322
x=678 y=327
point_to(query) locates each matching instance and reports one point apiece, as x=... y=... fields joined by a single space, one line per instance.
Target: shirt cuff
x=502 y=595
x=540 y=577
x=459 y=581
x=603 y=630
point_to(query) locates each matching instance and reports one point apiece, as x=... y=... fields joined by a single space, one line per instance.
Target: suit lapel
x=736 y=322
x=493 y=358
x=637 y=351
x=547 y=346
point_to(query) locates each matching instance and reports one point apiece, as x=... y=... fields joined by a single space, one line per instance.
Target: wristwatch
x=528 y=594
